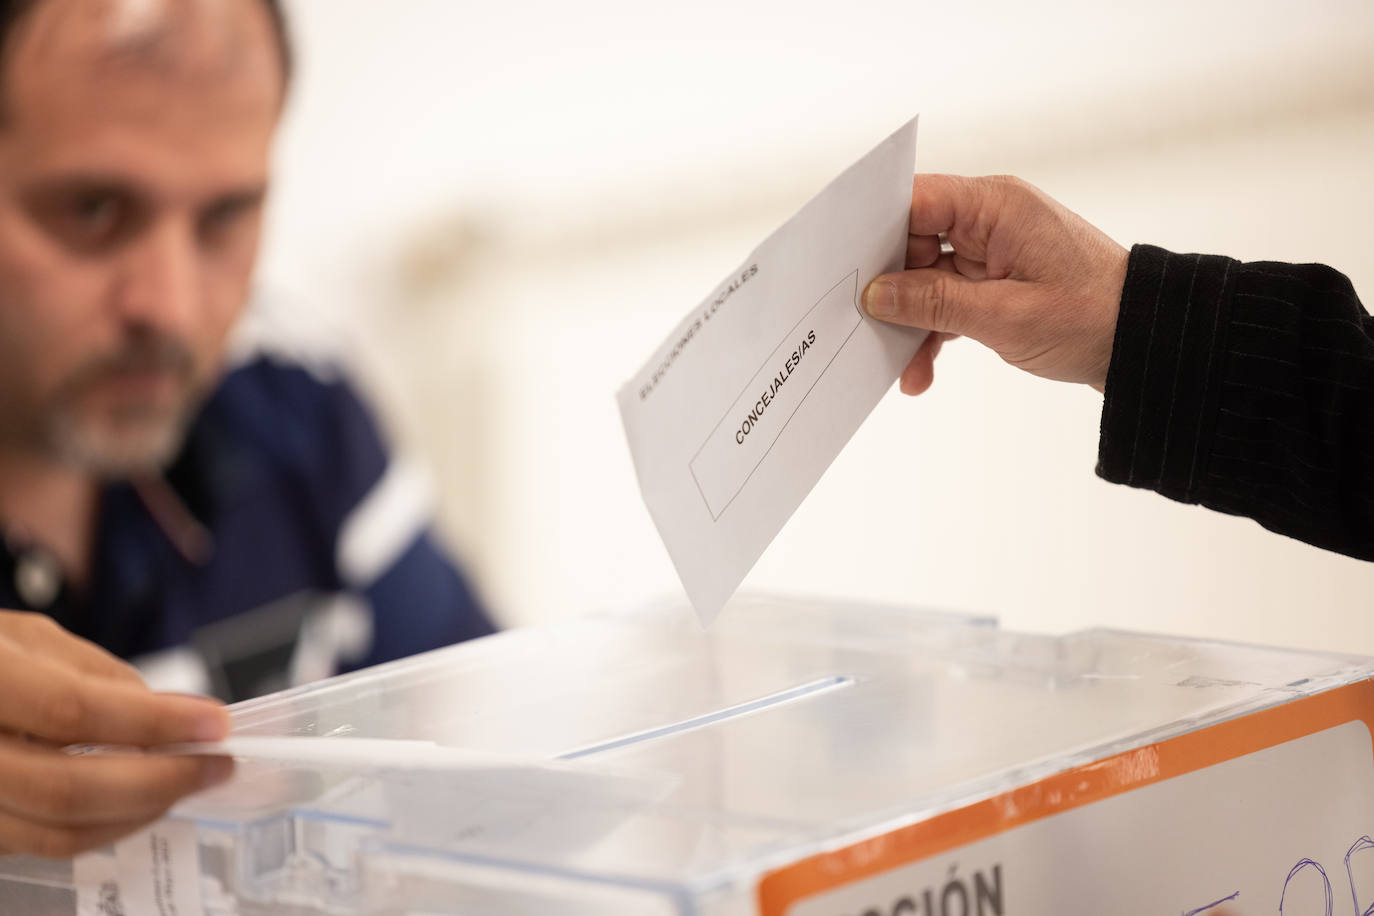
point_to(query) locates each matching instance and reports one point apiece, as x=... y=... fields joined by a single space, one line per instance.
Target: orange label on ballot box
x=1268 y=812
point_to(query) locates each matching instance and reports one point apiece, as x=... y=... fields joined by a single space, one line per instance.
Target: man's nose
x=159 y=284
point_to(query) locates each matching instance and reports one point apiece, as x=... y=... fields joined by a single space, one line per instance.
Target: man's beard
x=129 y=437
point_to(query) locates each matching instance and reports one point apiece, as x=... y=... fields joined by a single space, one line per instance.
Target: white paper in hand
x=749 y=400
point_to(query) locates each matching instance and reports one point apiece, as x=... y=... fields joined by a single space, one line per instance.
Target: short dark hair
x=13 y=11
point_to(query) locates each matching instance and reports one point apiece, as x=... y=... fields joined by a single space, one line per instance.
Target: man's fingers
x=960 y=207
x=974 y=270
x=54 y=789
x=956 y=264
x=934 y=299
x=42 y=635
x=21 y=837
x=922 y=250
x=936 y=201
x=60 y=705
x=919 y=374
x=967 y=210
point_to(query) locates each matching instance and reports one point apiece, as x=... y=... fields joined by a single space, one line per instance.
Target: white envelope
x=747 y=402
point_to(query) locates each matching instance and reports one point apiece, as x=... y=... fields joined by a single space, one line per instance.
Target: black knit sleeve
x=1246 y=388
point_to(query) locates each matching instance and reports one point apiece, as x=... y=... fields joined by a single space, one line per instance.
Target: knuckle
x=32 y=622
x=124 y=671
x=120 y=672
x=57 y=793
x=66 y=715
x=1015 y=196
x=933 y=306
x=54 y=843
x=1009 y=183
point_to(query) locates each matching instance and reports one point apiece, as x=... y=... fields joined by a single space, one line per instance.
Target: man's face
x=134 y=146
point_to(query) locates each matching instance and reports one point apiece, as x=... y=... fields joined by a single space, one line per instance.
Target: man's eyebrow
x=247 y=193
x=90 y=181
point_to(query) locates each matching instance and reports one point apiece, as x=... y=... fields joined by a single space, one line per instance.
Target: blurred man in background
x=231 y=530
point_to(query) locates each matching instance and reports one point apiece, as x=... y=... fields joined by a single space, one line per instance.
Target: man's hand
x=1027 y=277
x=56 y=690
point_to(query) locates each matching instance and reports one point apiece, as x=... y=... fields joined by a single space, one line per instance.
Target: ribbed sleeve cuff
x=1161 y=397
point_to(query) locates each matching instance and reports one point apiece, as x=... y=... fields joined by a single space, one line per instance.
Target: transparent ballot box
x=799 y=757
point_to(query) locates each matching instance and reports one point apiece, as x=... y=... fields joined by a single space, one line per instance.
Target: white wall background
x=504 y=207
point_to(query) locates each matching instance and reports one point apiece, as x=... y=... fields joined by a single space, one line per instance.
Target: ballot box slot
x=772 y=701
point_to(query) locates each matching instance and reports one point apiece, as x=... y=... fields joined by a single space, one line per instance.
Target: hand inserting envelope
x=740 y=411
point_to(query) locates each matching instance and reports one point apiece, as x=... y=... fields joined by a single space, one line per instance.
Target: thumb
x=933 y=299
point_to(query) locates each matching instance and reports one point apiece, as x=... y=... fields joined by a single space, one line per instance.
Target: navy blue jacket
x=282 y=545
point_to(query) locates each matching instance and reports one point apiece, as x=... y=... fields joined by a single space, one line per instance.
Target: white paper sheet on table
x=739 y=412
x=433 y=794
x=342 y=751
